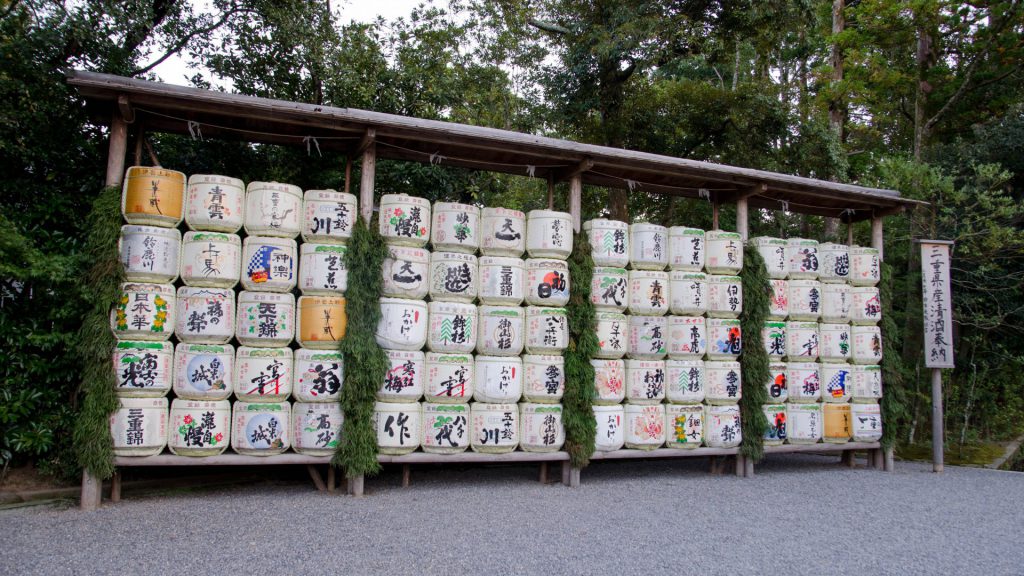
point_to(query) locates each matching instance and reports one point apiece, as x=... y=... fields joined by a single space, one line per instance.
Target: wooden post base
x=92 y=491
x=115 y=487
x=355 y=486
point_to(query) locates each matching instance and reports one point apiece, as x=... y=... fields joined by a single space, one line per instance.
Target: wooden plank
x=219 y=460
x=125 y=108
x=473 y=457
x=664 y=453
x=820 y=447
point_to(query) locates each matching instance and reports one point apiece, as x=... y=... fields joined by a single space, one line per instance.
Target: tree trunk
x=924 y=50
x=837 y=105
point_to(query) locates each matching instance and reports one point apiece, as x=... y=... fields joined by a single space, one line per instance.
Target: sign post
x=937 y=304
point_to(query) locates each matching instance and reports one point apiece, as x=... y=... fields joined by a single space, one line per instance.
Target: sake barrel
x=273 y=209
x=205 y=315
x=645 y=381
x=502 y=232
x=779 y=303
x=838 y=427
x=499 y=379
x=612 y=335
x=645 y=426
x=866 y=422
x=495 y=427
x=724 y=252
x=685 y=249
x=328 y=216
x=725 y=337
x=688 y=293
x=547 y=330
x=404 y=220
x=211 y=259
x=648 y=292
x=722 y=426
x=865 y=305
x=261 y=429
x=836 y=382
x=543 y=378
x=802 y=341
x=648 y=246
x=263 y=374
x=502 y=281
x=725 y=296
x=834 y=342
x=609 y=435
x=455 y=227
x=265 y=319
x=215 y=203
x=865 y=267
x=452 y=327
x=804 y=300
x=502 y=330
x=321 y=321
x=445 y=428
x=867 y=344
x=774 y=337
x=269 y=264
x=775 y=253
x=199 y=427
x=776 y=386
x=548 y=234
x=609 y=289
x=406 y=272
x=867 y=383
x=153 y=196
x=687 y=337
x=204 y=371
x=835 y=303
x=322 y=270
x=547 y=282
x=775 y=431
x=405 y=379
x=398 y=427
x=648 y=337
x=316 y=427
x=144 y=312
x=540 y=427
x=450 y=378
x=318 y=375
x=684 y=426
x=835 y=262
x=150 y=253
x=803 y=259
x=804 y=382
x=609 y=381
x=684 y=381
x=724 y=383
x=453 y=276
x=143 y=369
x=139 y=426
x=805 y=423
x=609 y=242
x=403 y=324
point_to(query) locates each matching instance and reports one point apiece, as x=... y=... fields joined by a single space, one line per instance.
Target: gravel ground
x=802 y=514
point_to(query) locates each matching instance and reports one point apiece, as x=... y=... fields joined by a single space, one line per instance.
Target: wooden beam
x=569 y=173
x=125 y=108
x=315 y=475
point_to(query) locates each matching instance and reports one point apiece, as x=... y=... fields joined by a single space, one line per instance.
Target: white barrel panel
x=688 y=293
x=548 y=234
x=804 y=381
x=495 y=427
x=687 y=337
x=499 y=379
x=543 y=378
x=204 y=371
x=609 y=381
x=540 y=427
x=648 y=246
x=453 y=276
x=215 y=203
x=273 y=209
x=265 y=319
x=445 y=428
x=453 y=327
x=547 y=282
x=648 y=337
x=724 y=252
x=684 y=426
x=803 y=259
x=645 y=426
x=205 y=315
x=149 y=253
x=609 y=289
x=211 y=259
x=836 y=382
x=398 y=426
x=645 y=381
x=547 y=330
x=316 y=427
x=318 y=375
x=263 y=374
x=139 y=426
x=775 y=253
x=322 y=270
x=725 y=338
x=455 y=227
x=328 y=216
x=724 y=384
x=503 y=232
x=684 y=381
x=143 y=369
x=609 y=242
x=144 y=312
x=406 y=272
x=403 y=324
x=685 y=249
x=404 y=220
x=502 y=330
x=722 y=426
x=199 y=427
x=609 y=436
x=502 y=281
x=268 y=264
x=612 y=335
x=405 y=379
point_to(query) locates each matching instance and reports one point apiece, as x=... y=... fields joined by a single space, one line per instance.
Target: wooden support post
x=152 y=153
x=849 y=233
x=748 y=467
x=849 y=459
x=714 y=214
x=878 y=243
x=355 y=486
x=713 y=467
x=115 y=486
x=348 y=174
x=406 y=476
x=551 y=191
x=938 y=437
x=741 y=465
x=331 y=478
x=315 y=475
x=140 y=135
x=92 y=491
x=574 y=477
x=369 y=171
x=742 y=219
x=543 y=472
x=576 y=200
x=888 y=460
x=566 y=472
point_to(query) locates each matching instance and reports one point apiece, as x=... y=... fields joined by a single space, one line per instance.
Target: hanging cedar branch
x=894 y=396
x=578 y=415
x=754 y=362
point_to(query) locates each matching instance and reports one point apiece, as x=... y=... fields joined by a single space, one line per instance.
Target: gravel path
x=809 y=516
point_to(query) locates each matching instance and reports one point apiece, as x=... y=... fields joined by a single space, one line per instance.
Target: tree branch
x=548 y=26
x=184 y=41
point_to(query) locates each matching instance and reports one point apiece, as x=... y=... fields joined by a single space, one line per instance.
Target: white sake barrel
x=684 y=380
x=645 y=426
x=774 y=337
x=268 y=264
x=405 y=379
x=153 y=196
x=404 y=220
x=318 y=375
x=688 y=293
x=398 y=426
x=204 y=371
x=685 y=249
x=648 y=292
x=502 y=330
x=548 y=234
x=139 y=426
x=406 y=272
x=835 y=303
x=149 y=253
x=495 y=427
x=725 y=338
x=803 y=259
x=540 y=427
x=452 y=327
x=776 y=386
x=609 y=242
x=199 y=427
x=866 y=422
x=775 y=253
x=445 y=428
x=725 y=252
x=205 y=315
x=328 y=216
x=322 y=270
x=547 y=330
x=144 y=312
x=687 y=337
x=316 y=427
x=499 y=379
x=779 y=303
x=215 y=203
x=609 y=289
x=502 y=281
x=865 y=269
x=834 y=342
x=684 y=426
x=722 y=427
x=867 y=344
x=804 y=300
x=838 y=428
x=143 y=369
x=403 y=324
x=450 y=378
x=804 y=382
x=543 y=378
x=645 y=381
x=802 y=341
x=503 y=232
x=648 y=246
x=865 y=305
x=609 y=381
x=867 y=383
x=265 y=319
x=725 y=296
x=835 y=262
x=612 y=335
x=609 y=435
x=273 y=209
x=805 y=423
x=263 y=374
x=455 y=227
x=836 y=382
x=648 y=337
x=724 y=384
x=453 y=276
x=211 y=259
x=547 y=282
x=775 y=432
x=261 y=429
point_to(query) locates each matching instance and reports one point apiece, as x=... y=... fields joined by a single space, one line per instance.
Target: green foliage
x=757 y=293
x=578 y=415
x=894 y=395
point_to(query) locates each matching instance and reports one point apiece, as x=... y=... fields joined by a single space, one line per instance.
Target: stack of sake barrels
x=673 y=396
x=824 y=314
x=472 y=401
x=229 y=344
